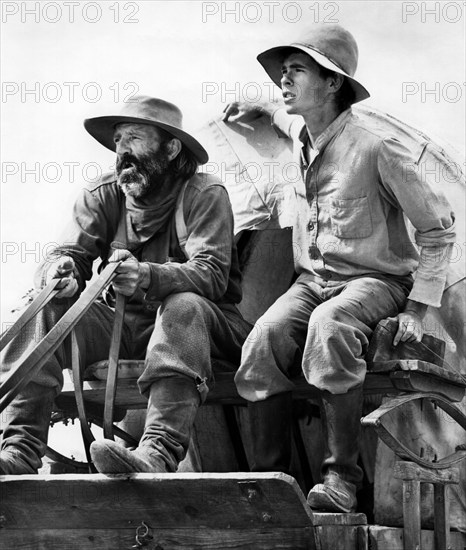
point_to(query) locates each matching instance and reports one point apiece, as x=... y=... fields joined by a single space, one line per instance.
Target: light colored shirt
x=353 y=198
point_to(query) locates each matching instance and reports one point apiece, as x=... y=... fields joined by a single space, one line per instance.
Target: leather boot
x=271 y=433
x=26 y=424
x=171 y=412
x=341 y=415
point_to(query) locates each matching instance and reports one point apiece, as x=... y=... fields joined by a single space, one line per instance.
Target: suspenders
x=181 y=229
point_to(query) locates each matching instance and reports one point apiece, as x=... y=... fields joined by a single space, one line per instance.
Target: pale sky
x=66 y=61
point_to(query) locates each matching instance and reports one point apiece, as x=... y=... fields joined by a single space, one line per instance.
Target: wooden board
x=224 y=392
x=182 y=511
x=381 y=348
x=391 y=538
x=163 y=539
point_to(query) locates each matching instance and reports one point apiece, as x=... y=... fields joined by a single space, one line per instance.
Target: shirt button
x=310 y=226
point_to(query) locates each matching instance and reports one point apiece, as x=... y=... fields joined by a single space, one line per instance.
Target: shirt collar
x=327 y=134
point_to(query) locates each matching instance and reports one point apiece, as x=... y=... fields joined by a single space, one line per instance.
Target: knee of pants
x=184 y=307
x=331 y=323
x=272 y=333
x=183 y=323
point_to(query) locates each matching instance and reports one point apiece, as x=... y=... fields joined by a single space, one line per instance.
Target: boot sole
x=104 y=453
x=324 y=502
x=118 y=464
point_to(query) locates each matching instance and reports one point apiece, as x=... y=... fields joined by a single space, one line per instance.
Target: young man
x=353 y=256
x=181 y=301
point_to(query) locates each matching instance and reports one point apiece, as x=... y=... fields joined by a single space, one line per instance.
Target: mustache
x=128 y=160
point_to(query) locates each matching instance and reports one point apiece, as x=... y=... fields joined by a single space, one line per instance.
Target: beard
x=139 y=176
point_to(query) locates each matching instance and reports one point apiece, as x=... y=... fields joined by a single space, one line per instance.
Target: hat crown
x=153 y=109
x=335 y=43
x=143 y=109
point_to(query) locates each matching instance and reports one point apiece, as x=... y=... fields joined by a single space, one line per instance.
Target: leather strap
x=112 y=376
x=29 y=366
x=86 y=433
x=42 y=299
x=181 y=229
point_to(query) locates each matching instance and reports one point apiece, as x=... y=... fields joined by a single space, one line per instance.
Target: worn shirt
x=209 y=267
x=352 y=200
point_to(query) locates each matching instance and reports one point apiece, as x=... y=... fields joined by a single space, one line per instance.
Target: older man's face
x=142 y=159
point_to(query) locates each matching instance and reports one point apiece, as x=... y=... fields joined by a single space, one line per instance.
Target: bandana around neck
x=147 y=216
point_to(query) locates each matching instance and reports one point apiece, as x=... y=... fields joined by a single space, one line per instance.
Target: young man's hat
x=331 y=46
x=145 y=110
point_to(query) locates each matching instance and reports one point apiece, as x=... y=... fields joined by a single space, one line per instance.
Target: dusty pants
x=323 y=329
x=187 y=330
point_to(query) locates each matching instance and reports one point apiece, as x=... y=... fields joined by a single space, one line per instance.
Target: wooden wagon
x=411 y=400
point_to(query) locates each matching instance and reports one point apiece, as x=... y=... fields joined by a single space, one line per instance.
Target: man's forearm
x=144 y=275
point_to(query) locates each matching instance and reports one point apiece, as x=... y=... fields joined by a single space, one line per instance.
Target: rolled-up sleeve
x=208 y=246
x=427 y=209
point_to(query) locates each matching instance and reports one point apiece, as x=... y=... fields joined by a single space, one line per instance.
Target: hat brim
x=102 y=129
x=272 y=60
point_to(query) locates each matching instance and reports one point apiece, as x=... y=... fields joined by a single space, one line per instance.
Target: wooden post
x=412 y=514
x=441 y=517
x=413 y=475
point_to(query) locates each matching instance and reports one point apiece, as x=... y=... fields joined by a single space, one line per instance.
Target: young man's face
x=142 y=159
x=303 y=88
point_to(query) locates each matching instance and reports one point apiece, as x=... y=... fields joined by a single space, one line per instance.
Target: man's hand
x=410 y=323
x=246 y=112
x=131 y=274
x=63 y=269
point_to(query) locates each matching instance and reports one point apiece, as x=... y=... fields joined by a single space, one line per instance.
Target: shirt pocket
x=351 y=218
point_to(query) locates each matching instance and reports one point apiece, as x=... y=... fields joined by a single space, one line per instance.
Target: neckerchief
x=149 y=215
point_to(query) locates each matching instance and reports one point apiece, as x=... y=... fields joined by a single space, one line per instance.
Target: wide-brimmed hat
x=331 y=46
x=145 y=110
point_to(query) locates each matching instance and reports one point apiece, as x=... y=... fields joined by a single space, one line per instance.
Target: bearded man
x=181 y=296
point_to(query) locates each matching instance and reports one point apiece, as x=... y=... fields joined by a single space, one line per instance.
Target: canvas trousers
x=322 y=328
x=187 y=331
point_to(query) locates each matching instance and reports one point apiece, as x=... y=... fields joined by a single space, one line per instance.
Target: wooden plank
x=414 y=381
x=163 y=539
x=43 y=298
x=215 y=501
x=224 y=392
x=391 y=538
x=27 y=367
x=441 y=517
x=413 y=472
x=412 y=514
x=418 y=366
x=341 y=537
x=330 y=518
x=381 y=348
